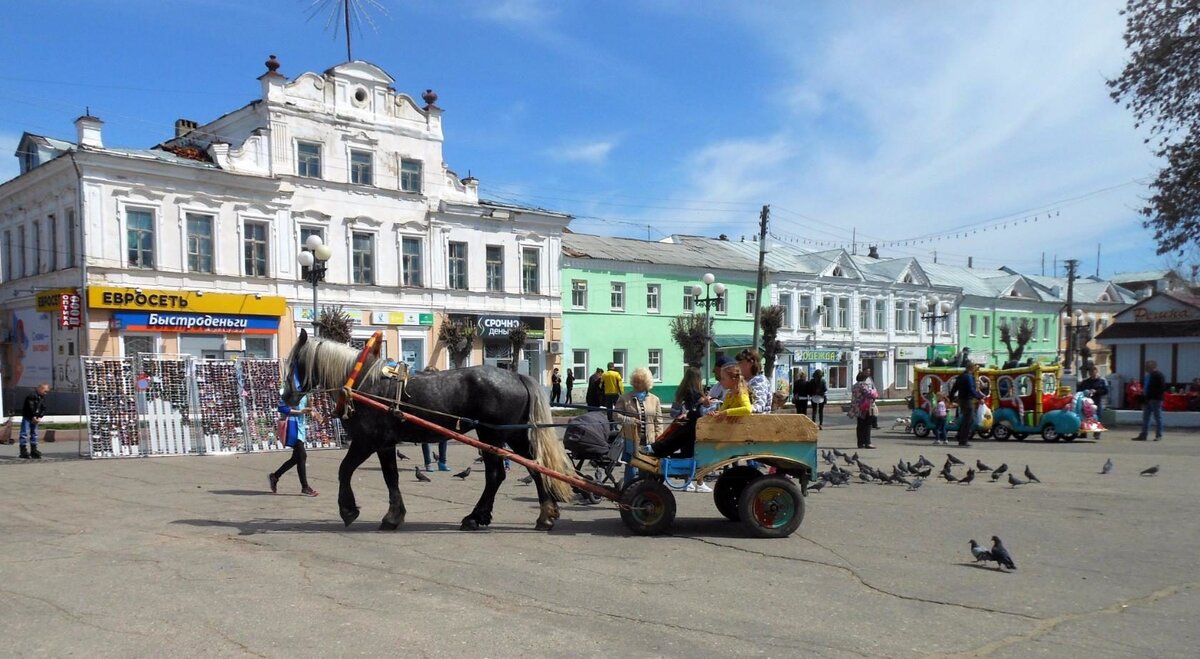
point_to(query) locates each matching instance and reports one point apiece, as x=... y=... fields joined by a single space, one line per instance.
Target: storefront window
x=836 y=377
x=259 y=347
x=135 y=344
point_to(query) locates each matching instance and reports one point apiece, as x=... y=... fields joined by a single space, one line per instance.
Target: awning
x=724 y=341
x=1150 y=330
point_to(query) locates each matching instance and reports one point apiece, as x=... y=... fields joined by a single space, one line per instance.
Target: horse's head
x=297 y=381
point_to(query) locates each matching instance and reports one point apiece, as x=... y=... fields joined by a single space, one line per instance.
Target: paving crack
x=77 y=617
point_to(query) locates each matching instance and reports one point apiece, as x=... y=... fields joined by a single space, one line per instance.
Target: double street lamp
x=935 y=310
x=710 y=287
x=314 y=256
x=1078 y=328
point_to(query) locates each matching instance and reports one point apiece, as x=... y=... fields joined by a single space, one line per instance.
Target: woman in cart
x=737 y=403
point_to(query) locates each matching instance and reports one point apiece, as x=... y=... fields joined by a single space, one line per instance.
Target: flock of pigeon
x=911 y=474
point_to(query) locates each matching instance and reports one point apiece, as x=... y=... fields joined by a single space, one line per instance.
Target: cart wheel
x=921 y=429
x=1001 y=432
x=729 y=487
x=1070 y=437
x=647 y=507
x=984 y=434
x=1050 y=433
x=1020 y=435
x=772 y=507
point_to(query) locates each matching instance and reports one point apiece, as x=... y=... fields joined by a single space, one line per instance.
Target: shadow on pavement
x=248 y=493
x=606 y=527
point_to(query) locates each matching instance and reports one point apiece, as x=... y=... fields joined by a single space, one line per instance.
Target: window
x=864 y=314
x=751 y=302
x=785 y=301
x=21 y=246
x=903 y=374
x=617 y=298
x=805 y=313
x=880 y=315
x=987 y=326
x=135 y=344
x=410 y=257
x=494 y=262
x=1033 y=328
x=1046 y=329
x=259 y=347
x=37 y=248
x=8 y=269
x=579 y=297
x=457 y=266
x=139 y=233
x=912 y=316
x=901 y=325
x=530 y=275
x=256 y=249
x=843 y=314
x=362 y=254
x=410 y=175
x=971 y=330
x=199 y=242
x=70 y=250
x=360 y=168
x=721 y=300
x=689 y=299
x=835 y=376
x=579 y=364
x=52 y=251
x=619 y=359
x=828 y=310
x=652 y=295
x=308 y=159
x=654 y=363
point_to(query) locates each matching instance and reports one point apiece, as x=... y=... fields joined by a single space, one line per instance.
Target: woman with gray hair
x=639 y=413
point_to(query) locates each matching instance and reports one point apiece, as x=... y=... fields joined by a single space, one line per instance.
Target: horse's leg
x=395 y=514
x=548 y=506
x=355 y=455
x=493 y=469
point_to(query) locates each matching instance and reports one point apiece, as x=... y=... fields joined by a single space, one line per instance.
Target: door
x=412 y=352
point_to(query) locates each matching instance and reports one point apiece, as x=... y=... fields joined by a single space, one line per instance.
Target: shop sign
x=49 y=301
x=944 y=352
x=872 y=354
x=195 y=322
x=149 y=299
x=401 y=318
x=305 y=314
x=497 y=326
x=912 y=352
x=70 y=310
x=819 y=355
x=1144 y=315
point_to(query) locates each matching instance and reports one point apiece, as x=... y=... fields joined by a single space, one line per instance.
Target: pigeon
x=847 y=459
x=1151 y=471
x=479 y=459
x=924 y=473
x=949 y=476
x=898 y=478
x=953 y=460
x=949 y=465
x=1030 y=476
x=838 y=453
x=854 y=458
x=463 y=474
x=864 y=477
x=1108 y=467
x=526 y=481
x=1000 y=554
x=979 y=552
x=816 y=487
x=923 y=461
x=400 y=456
x=421 y=477
x=982 y=467
x=1014 y=481
x=1001 y=469
x=966 y=480
x=915 y=485
x=996 y=475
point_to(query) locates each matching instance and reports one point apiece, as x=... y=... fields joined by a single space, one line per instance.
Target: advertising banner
x=29 y=360
x=70 y=311
x=195 y=322
x=401 y=318
x=103 y=297
x=818 y=355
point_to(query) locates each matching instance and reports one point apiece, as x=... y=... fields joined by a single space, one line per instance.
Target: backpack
x=939 y=410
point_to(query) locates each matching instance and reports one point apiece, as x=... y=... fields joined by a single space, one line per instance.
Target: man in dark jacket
x=1096 y=388
x=1154 y=385
x=594 y=396
x=966 y=393
x=31 y=415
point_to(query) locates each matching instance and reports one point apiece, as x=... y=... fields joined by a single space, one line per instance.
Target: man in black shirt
x=1154 y=385
x=31 y=415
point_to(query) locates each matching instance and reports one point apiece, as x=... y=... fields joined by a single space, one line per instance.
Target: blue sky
x=885 y=121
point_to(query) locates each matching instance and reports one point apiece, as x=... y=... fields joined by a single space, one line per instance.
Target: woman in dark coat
x=816 y=395
x=800 y=392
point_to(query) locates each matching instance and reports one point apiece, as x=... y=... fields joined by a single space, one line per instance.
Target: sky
x=953 y=130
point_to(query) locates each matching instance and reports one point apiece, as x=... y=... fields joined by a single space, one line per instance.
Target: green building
x=620 y=295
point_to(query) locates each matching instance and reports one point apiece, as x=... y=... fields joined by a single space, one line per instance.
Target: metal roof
x=1145 y=275
x=693 y=252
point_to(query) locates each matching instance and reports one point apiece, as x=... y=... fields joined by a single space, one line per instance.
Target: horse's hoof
x=388 y=526
x=469 y=524
x=349 y=515
x=544 y=525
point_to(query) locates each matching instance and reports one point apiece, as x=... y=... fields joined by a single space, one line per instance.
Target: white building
x=192 y=246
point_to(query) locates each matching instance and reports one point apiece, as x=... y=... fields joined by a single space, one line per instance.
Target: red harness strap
x=371 y=349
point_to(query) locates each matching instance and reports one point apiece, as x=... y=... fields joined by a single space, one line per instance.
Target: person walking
x=595 y=391
x=294 y=426
x=570 y=383
x=1096 y=388
x=965 y=393
x=613 y=386
x=31 y=415
x=862 y=396
x=555 y=386
x=800 y=392
x=816 y=395
x=639 y=412
x=443 y=448
x=1154 y=386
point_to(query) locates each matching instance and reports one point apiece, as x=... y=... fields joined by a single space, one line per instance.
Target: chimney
x=723 y=237
x=970 y=261
x=873 y=252
x=184 y=126
x=87 y=131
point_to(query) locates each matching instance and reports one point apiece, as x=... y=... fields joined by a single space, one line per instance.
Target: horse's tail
x=547 y=450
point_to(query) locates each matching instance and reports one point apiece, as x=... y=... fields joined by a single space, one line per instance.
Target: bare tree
x=458 y=336
x=772 y=320
x=334 y=324
x=516 y=340
x=1024 y=335
x=691 y=333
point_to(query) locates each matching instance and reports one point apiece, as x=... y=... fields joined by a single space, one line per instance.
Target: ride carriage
x=1029 y=400
x=768 y=505
x=938 y=380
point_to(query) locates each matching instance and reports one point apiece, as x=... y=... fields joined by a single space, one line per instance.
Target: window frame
x=364 y=262
x=722 y=302
x=579 y=368
x=493 y=269
x=8 y=255
x=304 y=162
x=653 y=298
x=843 y=315
x=620 y=357
x=152 y=231
x=912 y=317
x=864 y=314
x=751 y=302
x=406 y=175
x=358 y=168
x=265 y=245
x=879 y=311
x=987 y=326
x=531 y=274
x=578 y=287
x=616 y=296
x=52 y=253
x=188 y=216
x=787 y=309
x=410 y=271
x=461 y=281
x=689 y=299
x=37 y=247
x=71 y=228
x=654 y=358
x=804 y=312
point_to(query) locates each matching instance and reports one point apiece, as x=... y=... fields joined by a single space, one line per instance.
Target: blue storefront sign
x=156 y=321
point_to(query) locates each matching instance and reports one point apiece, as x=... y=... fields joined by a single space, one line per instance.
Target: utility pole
x=1068 y=324
x=762 y=256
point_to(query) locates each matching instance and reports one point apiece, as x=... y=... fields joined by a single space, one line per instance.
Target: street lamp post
x=932 y=308
x=314 y=256
x=710 y=286
x=1077 y=327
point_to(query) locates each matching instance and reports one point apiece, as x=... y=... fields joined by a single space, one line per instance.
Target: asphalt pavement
x=193 y=556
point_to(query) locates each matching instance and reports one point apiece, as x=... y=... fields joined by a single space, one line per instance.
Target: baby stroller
x=593 y=441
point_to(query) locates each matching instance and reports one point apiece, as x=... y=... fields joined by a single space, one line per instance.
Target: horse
x=486 y=399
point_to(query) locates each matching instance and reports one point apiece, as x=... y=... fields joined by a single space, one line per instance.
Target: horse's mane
x=330 y=364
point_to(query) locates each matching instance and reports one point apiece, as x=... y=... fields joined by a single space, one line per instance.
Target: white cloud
x=518 y=13
x=592 y=152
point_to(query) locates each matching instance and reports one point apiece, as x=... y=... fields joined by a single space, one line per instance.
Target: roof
x=1145 y=275
x=1150 y=330
x=699 y=252
x=521 y=209
x=50 y=142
